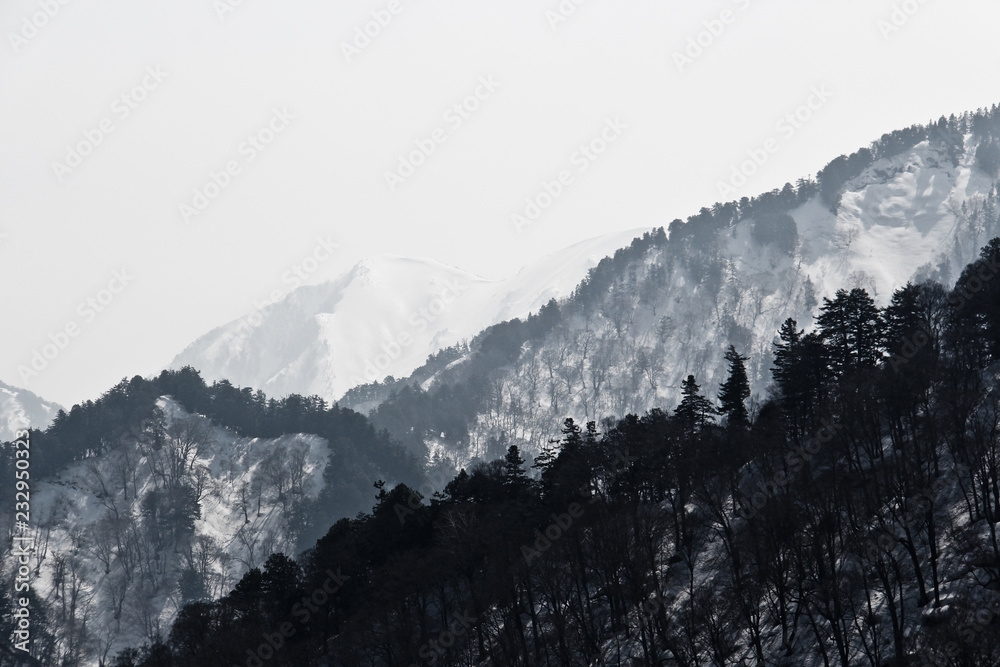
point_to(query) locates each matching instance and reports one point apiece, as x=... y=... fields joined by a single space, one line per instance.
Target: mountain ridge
x=296 y=345
x=909 y=208
x=21 y=409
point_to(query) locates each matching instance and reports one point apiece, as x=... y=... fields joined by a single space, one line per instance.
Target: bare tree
x=101 y=487
x=297 y=458
x=118 y=587
x=125 y=466
x=246 y=537
x=244 y=500
x=257 y=486
x=201 y=482
x=105 y=640
x=103 y=542
x=276 y=475
x=186 y=438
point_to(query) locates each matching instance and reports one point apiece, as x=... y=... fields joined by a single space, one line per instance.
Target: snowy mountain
x=134 y=527
x=381 y=318
x=669 y=307
x=132 y=535
x=19 y=409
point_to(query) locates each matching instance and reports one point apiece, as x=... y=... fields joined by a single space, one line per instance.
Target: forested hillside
x=917 y=204
x=168 y=490
x=852 y=520
x=742 y=439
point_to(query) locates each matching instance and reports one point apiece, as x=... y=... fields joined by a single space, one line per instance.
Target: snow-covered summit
x=382 y=317
x=19 y=409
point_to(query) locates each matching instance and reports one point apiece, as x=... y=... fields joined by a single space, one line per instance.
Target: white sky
x=323 y=175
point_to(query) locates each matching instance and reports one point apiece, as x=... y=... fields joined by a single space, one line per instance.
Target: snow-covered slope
x=898 y=216
x=381 y=318
x=110 y=535
x=674 y=310
x=19 y=409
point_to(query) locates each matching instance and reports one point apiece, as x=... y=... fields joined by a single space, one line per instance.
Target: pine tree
x=902 y=317
x=868 y=328
x=382 y=493
x=513 y=470
x=834 y=328
x=801 y=371
x=695 y=411
x=974 y=319
x=567 y=467
x=735 y=391
x=785 y=354
x=852 y=327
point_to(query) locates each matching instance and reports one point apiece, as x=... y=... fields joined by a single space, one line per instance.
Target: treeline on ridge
x=852 y=520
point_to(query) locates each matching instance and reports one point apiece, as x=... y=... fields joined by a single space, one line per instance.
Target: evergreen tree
x=695 y=411
x=735 y=391
x=852 y=327
x=902 y=319
x=974 y=320
x=785 y=354
x=514 y=477
x=801 y=371
x=192 y=586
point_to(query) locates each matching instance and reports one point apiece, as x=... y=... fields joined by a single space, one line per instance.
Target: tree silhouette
x=735 y=391
x=695 y=411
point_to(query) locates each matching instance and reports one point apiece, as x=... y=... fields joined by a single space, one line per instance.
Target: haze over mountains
x=673 y=306
x=216 y=478
x=381 y=318
x=918 y=208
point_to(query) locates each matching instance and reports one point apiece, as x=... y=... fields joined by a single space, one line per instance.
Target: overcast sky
x=118 y=116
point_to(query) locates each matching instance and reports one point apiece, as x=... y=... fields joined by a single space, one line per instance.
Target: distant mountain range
x=19 y=409
x=917 y=205
x=381 y=318
x=601 y=329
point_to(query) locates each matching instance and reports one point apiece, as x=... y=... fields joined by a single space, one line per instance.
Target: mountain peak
x=20 y=409
x=382 y=317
